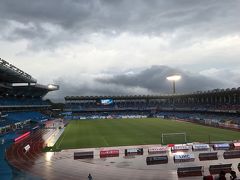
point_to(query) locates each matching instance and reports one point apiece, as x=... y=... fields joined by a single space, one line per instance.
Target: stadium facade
x=218 y=106
x=218 y=100
x=21 y=98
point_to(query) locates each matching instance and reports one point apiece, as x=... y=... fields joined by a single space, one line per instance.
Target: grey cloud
x=154 y=80
x=153 y=17
x=91 y=87
x=148 y=81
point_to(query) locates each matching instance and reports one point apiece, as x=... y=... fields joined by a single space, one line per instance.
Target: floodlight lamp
x=53 y=87
x=174 y=78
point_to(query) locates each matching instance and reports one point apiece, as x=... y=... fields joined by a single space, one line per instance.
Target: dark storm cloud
x=152 y=17
x=149 y=81
x=91 y=87
x=154 y=80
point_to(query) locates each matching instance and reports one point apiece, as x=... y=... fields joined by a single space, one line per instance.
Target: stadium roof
x=35 y=90
x=15 y=82
x=198 y=93
x=11 y=74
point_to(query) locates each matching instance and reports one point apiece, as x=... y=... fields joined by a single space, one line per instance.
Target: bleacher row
x=22 y=102
x=107 y=115
x=20 y=116
x=198 y=117
x=15 y=117
x=232 y=151
x=141 y=105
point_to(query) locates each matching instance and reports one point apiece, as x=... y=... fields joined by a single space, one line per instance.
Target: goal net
x=174 y=138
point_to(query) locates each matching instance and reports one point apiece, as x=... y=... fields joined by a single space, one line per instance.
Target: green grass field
x=121 y=132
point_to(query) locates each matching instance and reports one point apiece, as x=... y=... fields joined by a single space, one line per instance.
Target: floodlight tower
x=174 y=78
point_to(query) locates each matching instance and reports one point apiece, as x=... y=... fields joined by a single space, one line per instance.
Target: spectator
x=233 y=175
x=90 y=177
x=222 y=176
x=209 y=177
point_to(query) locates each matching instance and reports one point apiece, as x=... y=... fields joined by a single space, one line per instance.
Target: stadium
x=166 y=136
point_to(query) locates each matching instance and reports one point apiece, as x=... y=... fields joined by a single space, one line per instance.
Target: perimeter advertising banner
x=231 y=154
x=177 y=148
x=156 y=150
x=133 y=151
x=22 y=136
x=84 y=155
x=208 y=156
x=109 y=153
x=200 y=147
x=224 y=146
x=184 y=158
x=156 y=160
x=236 y=146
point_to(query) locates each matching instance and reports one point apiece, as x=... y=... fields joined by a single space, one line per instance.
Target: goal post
x=174 y=138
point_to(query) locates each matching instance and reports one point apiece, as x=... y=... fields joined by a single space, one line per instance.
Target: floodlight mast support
x=174 y=87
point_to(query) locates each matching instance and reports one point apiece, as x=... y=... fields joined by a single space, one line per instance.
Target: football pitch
x=123 y=132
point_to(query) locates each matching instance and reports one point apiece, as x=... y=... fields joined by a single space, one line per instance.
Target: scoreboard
x=104 y=102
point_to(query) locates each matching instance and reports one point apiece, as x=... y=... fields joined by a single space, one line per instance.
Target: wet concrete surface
x=61 y=165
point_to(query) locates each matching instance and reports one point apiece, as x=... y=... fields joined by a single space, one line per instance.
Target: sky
x=123 y=47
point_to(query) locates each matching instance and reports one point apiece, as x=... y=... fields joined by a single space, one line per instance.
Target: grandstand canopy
x=162 y=96
x=16 y=83
x=11 y=74
x=35 y=90
x=111 y=97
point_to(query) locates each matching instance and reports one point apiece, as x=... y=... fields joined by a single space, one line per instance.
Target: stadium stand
x=23 y=104
x=21 y=98
x=21 y=116
x=219 y=107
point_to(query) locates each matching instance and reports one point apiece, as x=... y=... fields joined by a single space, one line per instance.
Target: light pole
x=174 y=78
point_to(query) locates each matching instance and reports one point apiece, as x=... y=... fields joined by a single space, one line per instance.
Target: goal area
x=174 y=138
